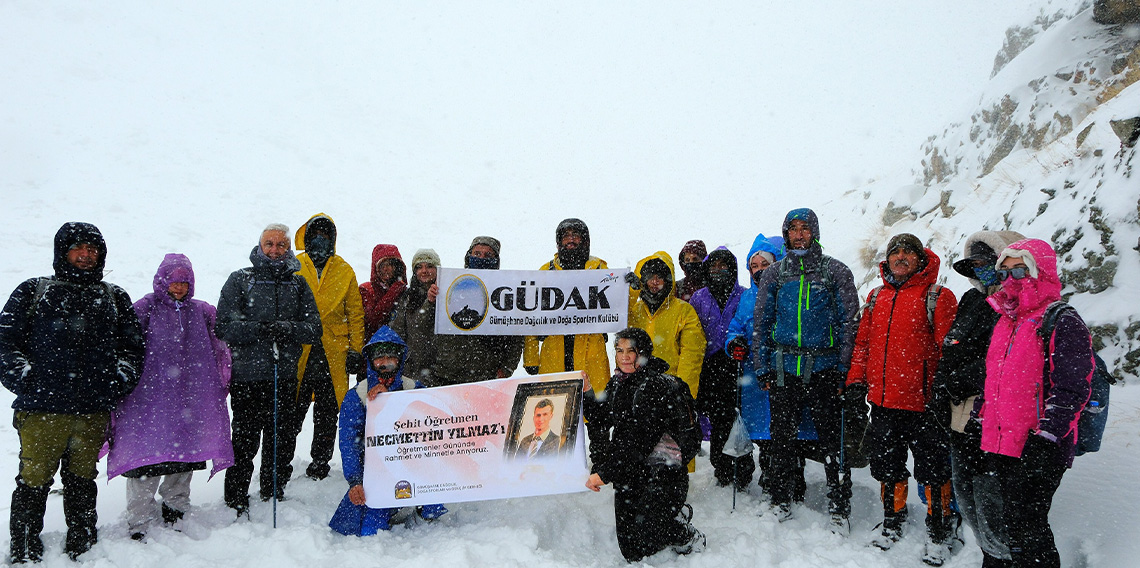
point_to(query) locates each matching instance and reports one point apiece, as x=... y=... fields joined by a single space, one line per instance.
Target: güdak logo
x=467 y=301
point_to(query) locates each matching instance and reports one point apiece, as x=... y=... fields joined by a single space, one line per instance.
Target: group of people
x=796 y=357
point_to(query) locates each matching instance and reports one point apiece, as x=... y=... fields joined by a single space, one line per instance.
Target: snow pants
x=317 y=387
x=143 y=510
x=788 y=401
x=719 y=399
x=1027 y=495
x=252 y=406
x=978 y=493
x=646 y=508
x=49 y=442
x=893 y=432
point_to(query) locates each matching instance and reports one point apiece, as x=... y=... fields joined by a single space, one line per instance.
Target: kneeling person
x=385 y=354
x=642 y=433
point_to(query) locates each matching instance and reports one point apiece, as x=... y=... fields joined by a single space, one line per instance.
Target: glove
x=856 y=392
x=353 y=363
x=531 y=369
x=277 y=330
x=973 y=429
x=1040 y=454
x=766 y=381
x=738 y=349
x=633 y=281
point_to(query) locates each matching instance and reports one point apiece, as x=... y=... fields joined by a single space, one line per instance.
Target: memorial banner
x=531 y=302
x=496 y=439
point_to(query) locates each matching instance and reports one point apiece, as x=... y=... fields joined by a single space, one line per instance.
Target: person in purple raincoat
x=719 y=397
x=176 y=419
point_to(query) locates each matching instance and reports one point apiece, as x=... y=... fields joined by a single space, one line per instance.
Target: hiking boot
x=267 y=495
x=27 y=520
x=241 y=510
x=317 y=471
x=430 y=513
x=79 y=540
x=26 y=550
x=79 y=513
x=935 y=553
x=685 y=515
x=139 y=536
x=887 y=537
x=839 y=524
x=694 y=541
x=170 y=515
x=784 y=512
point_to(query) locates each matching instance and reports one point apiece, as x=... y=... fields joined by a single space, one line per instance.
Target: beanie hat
x=489 y=241
x=908 y=242
x=425 y=255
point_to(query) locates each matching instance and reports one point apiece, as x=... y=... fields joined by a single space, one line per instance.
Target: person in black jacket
x=71 y=348
x=265 y=313
x=630 y=447
x=960 y=378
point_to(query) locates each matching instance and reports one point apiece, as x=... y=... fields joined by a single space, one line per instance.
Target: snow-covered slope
x=1039 y=156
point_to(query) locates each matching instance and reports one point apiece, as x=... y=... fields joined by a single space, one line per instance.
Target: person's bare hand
x=433 y=291
x=594 y=483
x=376 y=390
x=356 y=494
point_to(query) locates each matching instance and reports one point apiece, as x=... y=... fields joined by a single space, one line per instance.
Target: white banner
x=531 y=302
x=478 y=441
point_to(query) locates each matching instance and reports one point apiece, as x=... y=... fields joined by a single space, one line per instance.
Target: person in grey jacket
x=265 y=313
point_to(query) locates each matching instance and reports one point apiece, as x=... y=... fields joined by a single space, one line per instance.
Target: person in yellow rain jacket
x=678 y=337
x=322 y=372
x=585 y=352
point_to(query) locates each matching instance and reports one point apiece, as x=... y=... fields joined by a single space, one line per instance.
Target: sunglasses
x=1017 y=273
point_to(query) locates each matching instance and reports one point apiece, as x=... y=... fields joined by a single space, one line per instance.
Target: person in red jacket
x=382 y=291
x=896 y=352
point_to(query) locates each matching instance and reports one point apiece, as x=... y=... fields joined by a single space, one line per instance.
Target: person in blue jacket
x=385 y=354
x=765 y=252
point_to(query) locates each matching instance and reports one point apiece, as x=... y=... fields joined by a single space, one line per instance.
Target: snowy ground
x=1094 y=517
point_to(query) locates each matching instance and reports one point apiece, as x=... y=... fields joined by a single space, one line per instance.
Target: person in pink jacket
x=1031 y=403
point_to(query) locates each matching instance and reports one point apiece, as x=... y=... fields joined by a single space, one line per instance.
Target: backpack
x=1094 y=416
x=931 y=302
x=42 y=285
x=682 y=424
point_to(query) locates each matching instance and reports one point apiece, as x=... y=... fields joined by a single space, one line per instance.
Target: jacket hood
x=773 y=245
x=807 y=215
x=926 y=276
x=570 y=259
x=668 y=260
x=695 y=246
x=384 y=335
x=380 y=252
x=995 y=240
x=320 y=219
x=1029 y=297
x=287 y=264
x=173 y=268
x=722 y=252
x=69 y=235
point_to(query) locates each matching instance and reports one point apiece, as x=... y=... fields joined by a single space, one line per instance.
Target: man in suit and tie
x=542 y=443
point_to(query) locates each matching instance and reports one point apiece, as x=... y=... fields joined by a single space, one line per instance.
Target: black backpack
x=1094 y=416
x=683 y=426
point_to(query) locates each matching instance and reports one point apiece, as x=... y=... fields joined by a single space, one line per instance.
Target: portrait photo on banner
x=544 y=421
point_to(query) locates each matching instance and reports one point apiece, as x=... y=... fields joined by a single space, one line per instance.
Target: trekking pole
x=842 y=438
x=275 y=431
